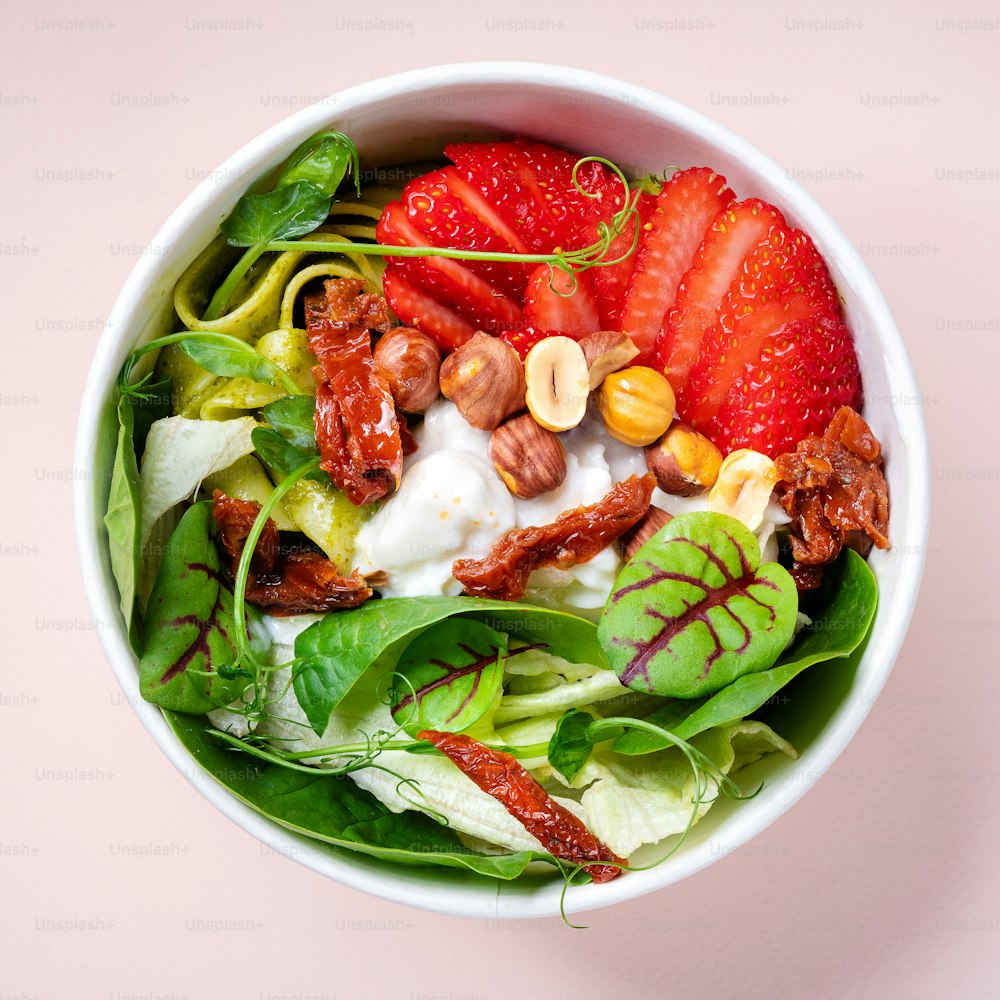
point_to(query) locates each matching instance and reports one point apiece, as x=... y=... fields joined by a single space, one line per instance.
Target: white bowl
x=408 y=117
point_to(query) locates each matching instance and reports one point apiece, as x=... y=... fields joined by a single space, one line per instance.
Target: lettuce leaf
x=180 y=453
x=631 y=801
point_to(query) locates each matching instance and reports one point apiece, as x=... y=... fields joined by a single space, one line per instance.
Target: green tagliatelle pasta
x=263 y=312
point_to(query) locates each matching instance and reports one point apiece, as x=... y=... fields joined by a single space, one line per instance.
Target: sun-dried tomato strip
x=574 y=537
x=834 y=490
x=498 y=774
x=307 y=581
x=235 y=518
x=286 y=583
x=356 y=426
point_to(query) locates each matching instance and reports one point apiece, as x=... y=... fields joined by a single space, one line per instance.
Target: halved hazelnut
x=558 y=383
x=529 y=458
x=409 y=362
x=637 y=405
x=683 y=461
x=484 y=378
x=743 y=489
x=607 y=351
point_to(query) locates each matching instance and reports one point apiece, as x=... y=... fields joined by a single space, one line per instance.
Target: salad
x=512 y=498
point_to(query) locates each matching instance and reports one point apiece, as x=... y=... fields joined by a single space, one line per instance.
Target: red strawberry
x=610 y=281
x=447 y=281
x=805 y=371
x=685 y=208
x=524 y=340
x=736 y=231
x=418 y=309
x=552 y=304
x=781 y=280
x=449 y=212
x=531 y=186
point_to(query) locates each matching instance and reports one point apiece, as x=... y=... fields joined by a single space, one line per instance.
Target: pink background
x=120 y=882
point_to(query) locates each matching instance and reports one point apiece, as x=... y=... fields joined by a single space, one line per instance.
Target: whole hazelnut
x=484 y=378
x=529 y=458
x=683 y=461
x=409 y=361
x=637 y=405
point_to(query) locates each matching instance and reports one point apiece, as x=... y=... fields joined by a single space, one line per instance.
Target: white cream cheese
x=452 y=504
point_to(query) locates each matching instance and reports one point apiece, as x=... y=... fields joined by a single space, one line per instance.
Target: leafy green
x=334 y=652
x=448 y=677
x=138 y=408
x=286 y=212
x=190 y=626
x=324 y=161
x=293 y=417
x=337 y=811
x=232 y=360
x=122 y=519
x=694 y=609
x=836 y=632
x=283 y=457
x=570 y=746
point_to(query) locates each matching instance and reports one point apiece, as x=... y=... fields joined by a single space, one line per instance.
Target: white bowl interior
x=409 y=117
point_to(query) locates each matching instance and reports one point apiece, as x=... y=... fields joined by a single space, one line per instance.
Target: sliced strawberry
x=418 y=309
x=804 y=372
x=446 y=280
x=449 y=212
x=685 y=209
x=780 y=281
x=531 y=186
x=736 y=231
x=524 y=340
x=610 y=281
x=553 y=304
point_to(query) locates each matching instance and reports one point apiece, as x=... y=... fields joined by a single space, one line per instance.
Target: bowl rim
x=475 y=898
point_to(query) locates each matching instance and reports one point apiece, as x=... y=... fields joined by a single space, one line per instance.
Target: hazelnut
x=683 y=461
x=606 y=351
x=409 y=362
x=484 y=378
x=637 y=536
x=637 y=405
x=743 y=489
x=529 y=458
x=558 y=383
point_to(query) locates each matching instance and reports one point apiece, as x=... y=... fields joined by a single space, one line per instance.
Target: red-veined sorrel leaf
x=449 y=676
x=189 y=625
x=694 y=609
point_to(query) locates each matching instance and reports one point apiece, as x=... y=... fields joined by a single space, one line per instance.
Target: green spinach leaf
x=837 y=632
x=189 y=629
x=282 y=214
x=293 y=417
x=336 y=811
x=333 y=653
x=230 y=360
x=324 y=161
x=283 y=457
x=694 y=609
x=448 y=677
x=570 y=746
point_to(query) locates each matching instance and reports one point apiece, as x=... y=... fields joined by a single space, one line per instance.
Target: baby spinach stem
x=225 y=291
